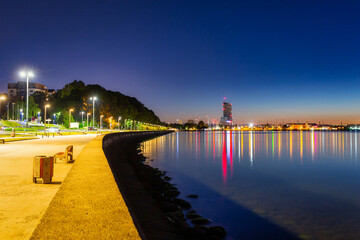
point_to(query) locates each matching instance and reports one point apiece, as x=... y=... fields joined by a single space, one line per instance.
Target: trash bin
x=43 y=168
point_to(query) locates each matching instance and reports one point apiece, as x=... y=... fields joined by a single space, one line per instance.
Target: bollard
x=13 y=132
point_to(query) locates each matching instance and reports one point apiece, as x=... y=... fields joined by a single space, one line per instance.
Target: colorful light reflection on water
x=306 y=182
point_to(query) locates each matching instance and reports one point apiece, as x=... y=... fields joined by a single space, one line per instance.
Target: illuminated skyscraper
x=227 y=119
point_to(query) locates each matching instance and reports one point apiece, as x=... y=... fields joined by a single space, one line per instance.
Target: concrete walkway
x=23 y=203
x=88 y=204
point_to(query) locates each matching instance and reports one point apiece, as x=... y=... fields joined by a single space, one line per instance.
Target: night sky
x=274 y=60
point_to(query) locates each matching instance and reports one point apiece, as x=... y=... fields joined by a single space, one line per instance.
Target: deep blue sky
x=274 y=60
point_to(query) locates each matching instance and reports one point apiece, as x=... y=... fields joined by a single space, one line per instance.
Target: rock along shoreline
x=152 y=200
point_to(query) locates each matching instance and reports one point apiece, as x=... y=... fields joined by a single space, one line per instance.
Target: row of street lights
x=28 y=74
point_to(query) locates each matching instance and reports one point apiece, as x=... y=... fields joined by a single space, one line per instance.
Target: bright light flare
x=26 y=74
x=251 y=125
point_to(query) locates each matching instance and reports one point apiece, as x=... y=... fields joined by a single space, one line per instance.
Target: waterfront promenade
x=88 y=204
x=23 y=203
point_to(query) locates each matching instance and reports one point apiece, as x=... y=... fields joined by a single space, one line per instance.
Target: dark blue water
x=267 y=185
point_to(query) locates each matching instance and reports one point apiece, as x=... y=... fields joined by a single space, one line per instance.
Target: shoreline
x=151 y=199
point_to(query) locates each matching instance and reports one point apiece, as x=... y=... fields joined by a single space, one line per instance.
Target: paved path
x=23 y=203
x=88 y=204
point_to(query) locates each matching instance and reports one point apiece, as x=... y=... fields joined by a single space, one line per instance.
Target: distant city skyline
x=275 y=61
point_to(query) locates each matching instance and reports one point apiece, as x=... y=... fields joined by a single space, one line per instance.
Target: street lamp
x=87 y=120
x=119 y=122
x=38 y=118
x=21 y=114
x=46 y=106
x=101 y=121
x=54 y=117
x=82 y=118
x=110 y=122
x=93 y=99
x=27 y=74
x=1 y=98
x=13 y=112
x=70 y=110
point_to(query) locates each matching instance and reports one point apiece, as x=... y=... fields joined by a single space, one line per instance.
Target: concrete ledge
x=120 y=150
x=88 y=204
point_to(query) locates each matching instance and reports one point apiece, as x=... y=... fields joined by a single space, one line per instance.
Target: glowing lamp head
x=2 y=98
x=71 y=110
x=251 y=125
x=47 y=105
x=26 y=74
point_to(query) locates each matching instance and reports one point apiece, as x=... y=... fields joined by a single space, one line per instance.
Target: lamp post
x=13 y=111
x=101 y=121
x=1 y=98
x=82 y=118
x=7 y=114
x=93 y=99
x=54 y=117
x=27 y=74
x=46 y=106
x=21 y=114
x=87 y=121
x=110 y=122
x=38 y=118
x=119 y=122
x=70 y=110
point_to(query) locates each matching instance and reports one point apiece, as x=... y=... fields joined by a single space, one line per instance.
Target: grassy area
x=6 y=123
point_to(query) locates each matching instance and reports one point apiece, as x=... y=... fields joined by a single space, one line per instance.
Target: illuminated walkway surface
x=23 y=203
x=88 y=204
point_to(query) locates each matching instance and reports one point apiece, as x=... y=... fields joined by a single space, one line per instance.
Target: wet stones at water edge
x=178 y=211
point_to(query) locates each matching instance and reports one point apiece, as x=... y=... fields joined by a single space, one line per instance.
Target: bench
x=2 y=140
x=68 y=154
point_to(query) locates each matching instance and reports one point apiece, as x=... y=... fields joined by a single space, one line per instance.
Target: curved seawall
x=120 y=149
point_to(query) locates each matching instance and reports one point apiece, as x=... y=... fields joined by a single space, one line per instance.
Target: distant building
x=226 y=119
x=19 y=88
x=190 y=121
x=301 y=126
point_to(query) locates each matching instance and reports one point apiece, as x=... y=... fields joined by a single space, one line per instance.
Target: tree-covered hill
x=76 y=95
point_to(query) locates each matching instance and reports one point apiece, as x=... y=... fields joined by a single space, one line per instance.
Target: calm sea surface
x=267 y=185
